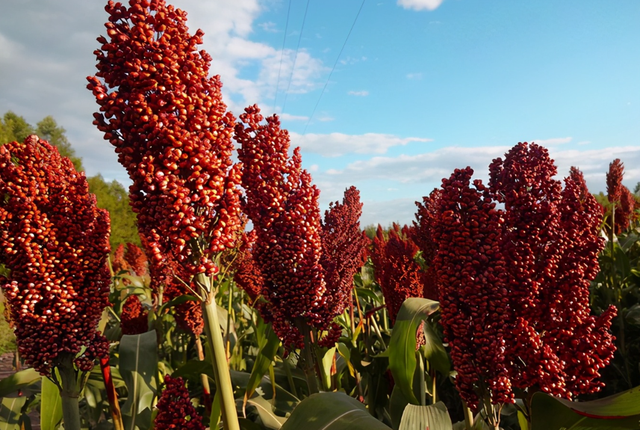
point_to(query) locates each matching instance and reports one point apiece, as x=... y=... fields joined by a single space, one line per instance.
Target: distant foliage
x=113 y=197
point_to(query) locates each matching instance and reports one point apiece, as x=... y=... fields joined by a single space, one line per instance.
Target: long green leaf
x=268 y=347
x=435 y=352
x=332 y=411
x=18 y=381
x=138 y=366
x=50 y=405
x=620 y=411
x=402 y=346
x=263 y=409
x=432 y=417
x=10 y=411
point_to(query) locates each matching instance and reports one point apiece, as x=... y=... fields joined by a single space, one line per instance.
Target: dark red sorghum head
x=343 y=249
x=134 y=318
x=473 y=296
x=55 y=242
x=137 y=260
x=175 y=410
x=397 y=273
x=282 y=204
x=544 y=246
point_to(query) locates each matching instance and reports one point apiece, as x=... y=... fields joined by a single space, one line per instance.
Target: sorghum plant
x=171 y=131
x=282 y=204
x=175 y=410
x=55 y=243
x=165 y=117
x=343 y=252
x=307 y=267
x=473 y=297
x=515 y=281
x=422 y=234
x=396 y=271
x=622 y=200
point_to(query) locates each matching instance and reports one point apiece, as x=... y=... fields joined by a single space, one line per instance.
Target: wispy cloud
x=414 y=76
x=358 y=93
x=420 y=4
x=269 y=27
x=553 y=141
x=337 y=144
x=288 y=117
x=417 y=175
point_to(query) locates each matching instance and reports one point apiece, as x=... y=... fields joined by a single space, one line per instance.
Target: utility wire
x=295 y=58
x=334 y=67
x=284 y=38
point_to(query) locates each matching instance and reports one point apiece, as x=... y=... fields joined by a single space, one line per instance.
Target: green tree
x=14 y=128
x=113 y=197
x=49 y=130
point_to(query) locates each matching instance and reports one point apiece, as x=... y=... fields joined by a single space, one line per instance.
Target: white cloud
x=269 y=27
x=420 y=4
x=415 y=176
x=358 y=93
x=288 y=117
x=552 y=141
x=337 y=144
x=414 y=76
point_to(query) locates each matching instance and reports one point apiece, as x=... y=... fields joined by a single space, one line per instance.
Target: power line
x=284 y=38
x=334 y=67
x=295 y=58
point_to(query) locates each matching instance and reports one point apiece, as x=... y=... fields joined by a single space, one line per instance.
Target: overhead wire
x=295 y=58
x=284 y=38
x=334 y=67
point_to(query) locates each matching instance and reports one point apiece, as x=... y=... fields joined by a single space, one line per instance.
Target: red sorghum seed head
x=175 y=410
x=165 y=117
x=55 y=242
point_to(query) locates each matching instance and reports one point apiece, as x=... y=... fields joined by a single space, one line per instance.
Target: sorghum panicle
x=118 y=263
x=396 y=271
x=137 y=260
x=247 y=272
x=55 y=242
x=134 y=318
x=542 y=251
x=171 y=277
x=175 y=410
x=283 y=207
x=474 y=302
x=171 y=131
x=422 y=235
x=343 y=249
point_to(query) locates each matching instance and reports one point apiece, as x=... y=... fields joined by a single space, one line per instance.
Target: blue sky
x=420 y=88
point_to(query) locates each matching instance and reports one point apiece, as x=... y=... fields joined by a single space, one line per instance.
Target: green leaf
x=175 y=302
x=333 y=411
x=10 y=411
x=264 y=410
x=216 y=410
x=269 y=344
x=620 y=411
x=632 y=316
x=138 y=367
x=435 y=352
x=50 y=405
x=622 y=262
x=402 y=346
x=327 y=363
x=397 y=404
x=284 y=401
x=18 y=381
x=365 y=292
x=432 y=417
